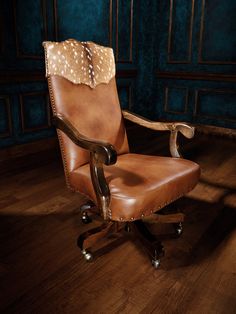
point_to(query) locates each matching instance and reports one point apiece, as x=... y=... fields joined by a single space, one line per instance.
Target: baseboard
x=215 y=130
x=29 y=148
x=205 y=129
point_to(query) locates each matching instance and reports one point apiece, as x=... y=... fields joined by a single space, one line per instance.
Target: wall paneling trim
x=5 y=116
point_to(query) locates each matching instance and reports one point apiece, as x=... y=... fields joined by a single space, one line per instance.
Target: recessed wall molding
x=167 y=104
x=170 y=59
x=1 y=32
x=5 y=101
x=109 y=22
x=29 y=117
x=220 y=93
x=114 y=15
x=201 y=39
x=117 y=50
x=55 y=19
x=129 y=90
x=43 y=14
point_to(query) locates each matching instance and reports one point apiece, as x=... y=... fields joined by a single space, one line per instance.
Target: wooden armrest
x=104 y=151
x=185 y=129
x=173 y=127
x=100 y=153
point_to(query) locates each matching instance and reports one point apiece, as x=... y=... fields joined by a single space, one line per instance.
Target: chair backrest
x=82 y=87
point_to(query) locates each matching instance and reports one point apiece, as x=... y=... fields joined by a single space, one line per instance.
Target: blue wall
x=196 y=62
x=176 y=59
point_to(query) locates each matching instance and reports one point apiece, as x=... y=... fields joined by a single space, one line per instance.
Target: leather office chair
x=124 y=188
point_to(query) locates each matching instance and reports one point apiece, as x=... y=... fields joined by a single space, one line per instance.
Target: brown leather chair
x=124 y=188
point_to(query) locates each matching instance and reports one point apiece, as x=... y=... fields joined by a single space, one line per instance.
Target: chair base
x=136 y=229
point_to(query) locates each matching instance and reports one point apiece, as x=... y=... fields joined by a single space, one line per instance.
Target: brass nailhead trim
x=166 y=203
x=54 y=112
x=58 y=134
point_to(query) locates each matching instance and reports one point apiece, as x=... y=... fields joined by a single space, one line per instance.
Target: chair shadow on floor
x=206 y=226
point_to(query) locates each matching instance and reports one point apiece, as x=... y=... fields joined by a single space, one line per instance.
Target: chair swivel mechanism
x=127 y=190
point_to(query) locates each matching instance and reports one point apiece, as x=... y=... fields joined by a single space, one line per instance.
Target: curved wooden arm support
x=104 y=151
x=100 y=185
x=100 y=153
x=173 y=127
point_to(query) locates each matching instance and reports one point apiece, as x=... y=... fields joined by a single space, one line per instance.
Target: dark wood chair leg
x=151 y=244
x=138 y=228
x=176 y=219
x=89 y=238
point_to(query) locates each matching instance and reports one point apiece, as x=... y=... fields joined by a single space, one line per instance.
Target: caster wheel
x=87 y=256
x=85 y=218
x=156 y=263
x=178 y=229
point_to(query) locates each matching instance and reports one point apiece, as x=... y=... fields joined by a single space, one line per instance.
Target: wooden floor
x=42 y=271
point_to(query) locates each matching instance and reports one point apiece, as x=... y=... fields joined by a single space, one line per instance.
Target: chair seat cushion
x=140 y=184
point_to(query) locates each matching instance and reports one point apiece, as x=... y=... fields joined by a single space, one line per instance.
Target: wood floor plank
x=42 y=270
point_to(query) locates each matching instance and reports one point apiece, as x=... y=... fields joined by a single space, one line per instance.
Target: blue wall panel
x=191 y=100
x=29 y=112
x=160 y=49
x=176 y=100
x=197 y=50
x=124 y=31
x=218 y=32
x=30 y=24
x=21 y=55
x=35 y=112
x=84 y=20
x=5 y=114
x=216 y=104
x=180 y=31
x=125 y=92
